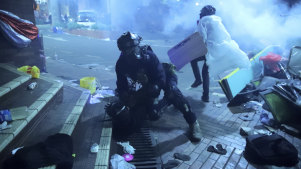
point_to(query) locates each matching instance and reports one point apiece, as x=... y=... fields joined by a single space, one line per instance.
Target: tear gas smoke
x=254 y=24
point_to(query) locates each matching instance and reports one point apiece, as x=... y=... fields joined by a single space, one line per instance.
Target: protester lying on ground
x=140 y=78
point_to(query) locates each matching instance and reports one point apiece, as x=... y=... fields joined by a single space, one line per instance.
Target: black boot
x=205 y=98
x=195 y=132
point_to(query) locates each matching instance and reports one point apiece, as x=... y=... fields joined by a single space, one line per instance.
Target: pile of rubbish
x=121 y=162
x=271 y=88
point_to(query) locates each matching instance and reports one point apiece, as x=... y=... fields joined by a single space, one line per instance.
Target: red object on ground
x=271 y=61
x=26 y=29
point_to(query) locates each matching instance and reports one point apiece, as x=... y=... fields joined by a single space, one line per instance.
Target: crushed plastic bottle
x=32 y=85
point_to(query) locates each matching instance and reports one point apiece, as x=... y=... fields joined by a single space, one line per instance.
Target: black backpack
x=270 y=150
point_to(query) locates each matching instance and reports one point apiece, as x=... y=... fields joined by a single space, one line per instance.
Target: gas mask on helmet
x=128 y=43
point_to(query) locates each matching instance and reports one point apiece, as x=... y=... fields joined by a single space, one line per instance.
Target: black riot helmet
x=128 y=40
x=207 y=10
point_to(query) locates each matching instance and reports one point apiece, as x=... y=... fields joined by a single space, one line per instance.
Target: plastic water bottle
x=32 y=85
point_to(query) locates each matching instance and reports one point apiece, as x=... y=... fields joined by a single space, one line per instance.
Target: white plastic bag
x=127 y=148
x=94 y=148
x=223 y=52
x=118 y=162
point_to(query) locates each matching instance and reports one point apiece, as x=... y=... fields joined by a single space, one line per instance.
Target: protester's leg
x=176 y=98
x=196 y=73
x=206 y=81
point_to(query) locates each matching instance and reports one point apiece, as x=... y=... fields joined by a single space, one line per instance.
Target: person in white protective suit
x=223 y=52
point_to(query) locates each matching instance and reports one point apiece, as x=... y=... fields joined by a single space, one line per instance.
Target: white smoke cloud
x=253 y=23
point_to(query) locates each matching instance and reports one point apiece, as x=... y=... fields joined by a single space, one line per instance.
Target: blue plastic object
x=5 y=115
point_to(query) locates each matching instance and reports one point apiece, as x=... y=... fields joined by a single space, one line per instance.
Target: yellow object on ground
x=24 y=68
x=34 y=71
x=88 y=83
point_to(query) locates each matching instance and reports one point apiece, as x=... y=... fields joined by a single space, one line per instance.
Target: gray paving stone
x=193 y=157
x=238 y=151
x=243 y=163
x=183 y=166
x=234 y=141
x=228 y=143
x=214 y=156
x=221 y=162
x=229 y=166
x=233 y=159
x=204 y=156
x=238 y=146
x=229 y=151
x=196 y=165
x=190 y=148
x=250 y=166
x=229 y=123
x=208 y=164
x=200 y=148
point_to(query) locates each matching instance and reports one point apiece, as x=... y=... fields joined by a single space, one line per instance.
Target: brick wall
x=9 y=53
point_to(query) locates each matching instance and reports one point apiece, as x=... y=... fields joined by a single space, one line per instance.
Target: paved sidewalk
x=218 y=124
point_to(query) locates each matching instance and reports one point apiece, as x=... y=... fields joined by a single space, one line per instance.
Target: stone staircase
x=54 y=106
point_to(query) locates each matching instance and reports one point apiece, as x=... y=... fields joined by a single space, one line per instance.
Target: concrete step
x=63 y=112
x=92 y=127
x=15 y=94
